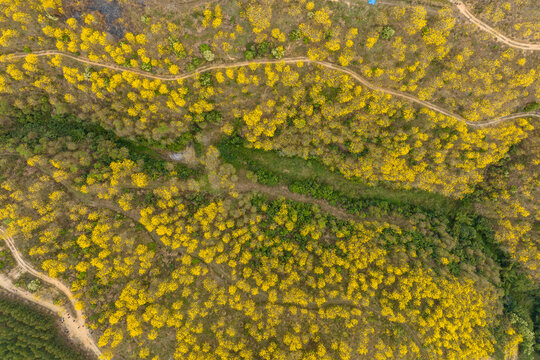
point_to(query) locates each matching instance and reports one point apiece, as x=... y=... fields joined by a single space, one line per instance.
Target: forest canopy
x=262 y=179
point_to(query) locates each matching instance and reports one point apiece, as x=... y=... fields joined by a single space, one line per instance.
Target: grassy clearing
x=272 y=168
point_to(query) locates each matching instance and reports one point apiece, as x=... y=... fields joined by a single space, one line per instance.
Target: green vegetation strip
x=26 y=333
x=313 y=178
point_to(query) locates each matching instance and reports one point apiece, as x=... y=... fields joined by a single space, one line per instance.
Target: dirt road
x=74 y=322
x=468 y=15
x=483 y=26
x=294 y=60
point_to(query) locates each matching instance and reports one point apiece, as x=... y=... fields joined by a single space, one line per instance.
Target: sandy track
x=324 y=64
x=485 y=27
x=75 y=324
x=469 y=16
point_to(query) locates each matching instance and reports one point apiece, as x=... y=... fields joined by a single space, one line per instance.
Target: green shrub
x=196 y=61
x=387 y=33
x=206 y=79
x=146 y=66
x=249 y=55
x=278 y=52
x=263 y=48
x=204 y=47
x=213 y=116
x=208 y=55
x=180 y=142
x=185 y=172
x=295 y=35
x=531 y=106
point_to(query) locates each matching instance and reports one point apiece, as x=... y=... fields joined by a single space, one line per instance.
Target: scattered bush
x=208 y=55
x=206 y=52
x=531 y=106
x=213 y=116
x=278 y=52
x=206 y=79
x=146 y=67
x=387 y=33
x=258 y=50
x=34 y=285
x=263 y=48
x=266 y=177
x=295 y=35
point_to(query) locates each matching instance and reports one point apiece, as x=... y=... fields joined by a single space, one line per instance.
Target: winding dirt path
x=75 y=324
x=468 y=15
x=485 y=27
x=293 y=60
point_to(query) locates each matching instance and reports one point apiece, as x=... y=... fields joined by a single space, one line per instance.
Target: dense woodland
x=165 y=249
x=312 y=215
x=27 y=333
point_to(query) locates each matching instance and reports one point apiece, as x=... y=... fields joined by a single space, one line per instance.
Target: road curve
x=502 y=38
x=325 y=64
x=75 y=324
x=470 y=17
